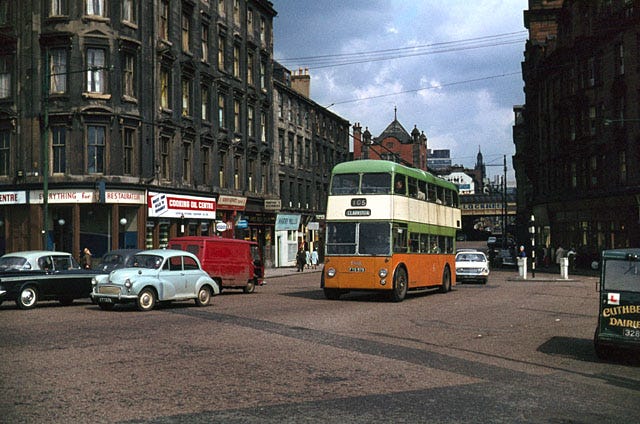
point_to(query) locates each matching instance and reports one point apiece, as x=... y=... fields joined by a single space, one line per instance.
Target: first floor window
x=205 y=160
x=128 y=152
x=96 y=142
x=57 y=8
x=165 y=156
x=58 y=150
x=222 y=121
x=186 y=162
x=222 y=167
x=5 y=151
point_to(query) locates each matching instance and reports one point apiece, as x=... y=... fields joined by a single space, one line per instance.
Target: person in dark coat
x=301 y=259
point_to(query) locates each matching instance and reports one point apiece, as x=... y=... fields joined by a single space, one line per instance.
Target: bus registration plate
x=356 y=269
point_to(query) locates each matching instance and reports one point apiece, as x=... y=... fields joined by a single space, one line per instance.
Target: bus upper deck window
x=345 y=184
x=400 y=186
x=376 y=183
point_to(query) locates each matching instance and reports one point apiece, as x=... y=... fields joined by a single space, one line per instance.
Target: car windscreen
x=622 y=275
x=470 y=257
x=147 y=261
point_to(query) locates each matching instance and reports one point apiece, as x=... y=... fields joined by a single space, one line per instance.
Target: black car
x=31 y=276
x=116 y=259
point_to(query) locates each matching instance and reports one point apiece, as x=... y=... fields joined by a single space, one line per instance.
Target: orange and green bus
x=389 y=228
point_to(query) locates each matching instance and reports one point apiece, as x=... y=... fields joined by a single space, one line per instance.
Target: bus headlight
x=383 y=273
x=331 y=272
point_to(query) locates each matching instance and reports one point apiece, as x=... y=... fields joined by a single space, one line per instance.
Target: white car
x=472 y=266
x=155 y=276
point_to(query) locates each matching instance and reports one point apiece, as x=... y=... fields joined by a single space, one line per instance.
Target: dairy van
x=232 y=263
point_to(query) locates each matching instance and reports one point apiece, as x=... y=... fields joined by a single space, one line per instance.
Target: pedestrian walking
x=307 y=258
x=301 y=260
x=314 y=258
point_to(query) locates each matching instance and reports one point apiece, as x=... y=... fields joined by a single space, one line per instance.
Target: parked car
x=232 y=263
x=472 y=266
x=31 y=276
x=155 y=276
x=115 y=259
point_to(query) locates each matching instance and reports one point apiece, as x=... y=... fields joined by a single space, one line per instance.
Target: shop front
x=171 y=215
x=288 y=239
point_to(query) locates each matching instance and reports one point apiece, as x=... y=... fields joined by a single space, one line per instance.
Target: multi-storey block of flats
x=124 y=123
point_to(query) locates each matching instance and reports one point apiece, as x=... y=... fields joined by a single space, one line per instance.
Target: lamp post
x=532 y=232
x=121 y=236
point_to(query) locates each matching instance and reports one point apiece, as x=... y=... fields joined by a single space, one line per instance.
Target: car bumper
x=471 y=277
x=113 y=298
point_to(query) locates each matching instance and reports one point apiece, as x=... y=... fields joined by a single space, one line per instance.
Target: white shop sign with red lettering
x=13 y=197
x=168 y=205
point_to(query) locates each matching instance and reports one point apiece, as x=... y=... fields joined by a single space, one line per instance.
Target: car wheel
x=399 y=291
x=28 y=298
x=332 y=294
x=446 y=280
x=106 y=306
x=250 y=287
x=146 y=300
x=66 y=301
x=204 y=296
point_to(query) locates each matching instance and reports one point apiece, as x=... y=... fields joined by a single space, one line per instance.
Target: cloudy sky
x=452 y=68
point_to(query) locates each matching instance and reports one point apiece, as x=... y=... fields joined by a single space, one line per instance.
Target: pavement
x=288 y=270
x=543 y=275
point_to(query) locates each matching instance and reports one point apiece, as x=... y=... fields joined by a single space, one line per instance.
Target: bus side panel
x=361 y=273
x=426 y=270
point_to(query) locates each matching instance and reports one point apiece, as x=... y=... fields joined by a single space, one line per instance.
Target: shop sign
x=124 y=196
x=167 y=205
x=221 y=226
x=287 y=222
x=242 y=223
x=272 y=204
x=313 y=226
x=13 y=197
x=235 y=203
x=63 y=196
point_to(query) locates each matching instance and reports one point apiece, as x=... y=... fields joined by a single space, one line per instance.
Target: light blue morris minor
x=155 y=276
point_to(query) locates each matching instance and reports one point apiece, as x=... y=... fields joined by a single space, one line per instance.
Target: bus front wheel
x=446 y=280
x=399 y=291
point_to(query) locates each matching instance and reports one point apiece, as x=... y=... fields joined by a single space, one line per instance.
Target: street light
x=532 y=232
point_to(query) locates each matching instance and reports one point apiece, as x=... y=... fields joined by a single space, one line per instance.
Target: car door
x=192 y=274
x=70 y=281
x=175 y=276
x=48 y=283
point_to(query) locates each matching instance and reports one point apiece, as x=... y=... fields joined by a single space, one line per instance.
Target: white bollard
x=522 y=268
x=564 y=268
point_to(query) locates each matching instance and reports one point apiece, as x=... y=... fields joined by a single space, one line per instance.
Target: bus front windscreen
x=374 y=238
x=366 y=238
x=622 y=275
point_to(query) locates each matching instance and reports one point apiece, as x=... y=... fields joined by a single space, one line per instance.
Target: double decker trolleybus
x=389 y=228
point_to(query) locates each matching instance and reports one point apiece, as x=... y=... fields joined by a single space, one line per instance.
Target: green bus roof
x=374 y=165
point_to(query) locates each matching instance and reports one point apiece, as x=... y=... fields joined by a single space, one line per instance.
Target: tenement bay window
x=96 y=71
x=96 y=141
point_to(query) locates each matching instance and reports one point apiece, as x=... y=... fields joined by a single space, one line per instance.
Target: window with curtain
x=96 y=70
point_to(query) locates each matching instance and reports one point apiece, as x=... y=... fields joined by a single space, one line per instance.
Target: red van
x=232 y=263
